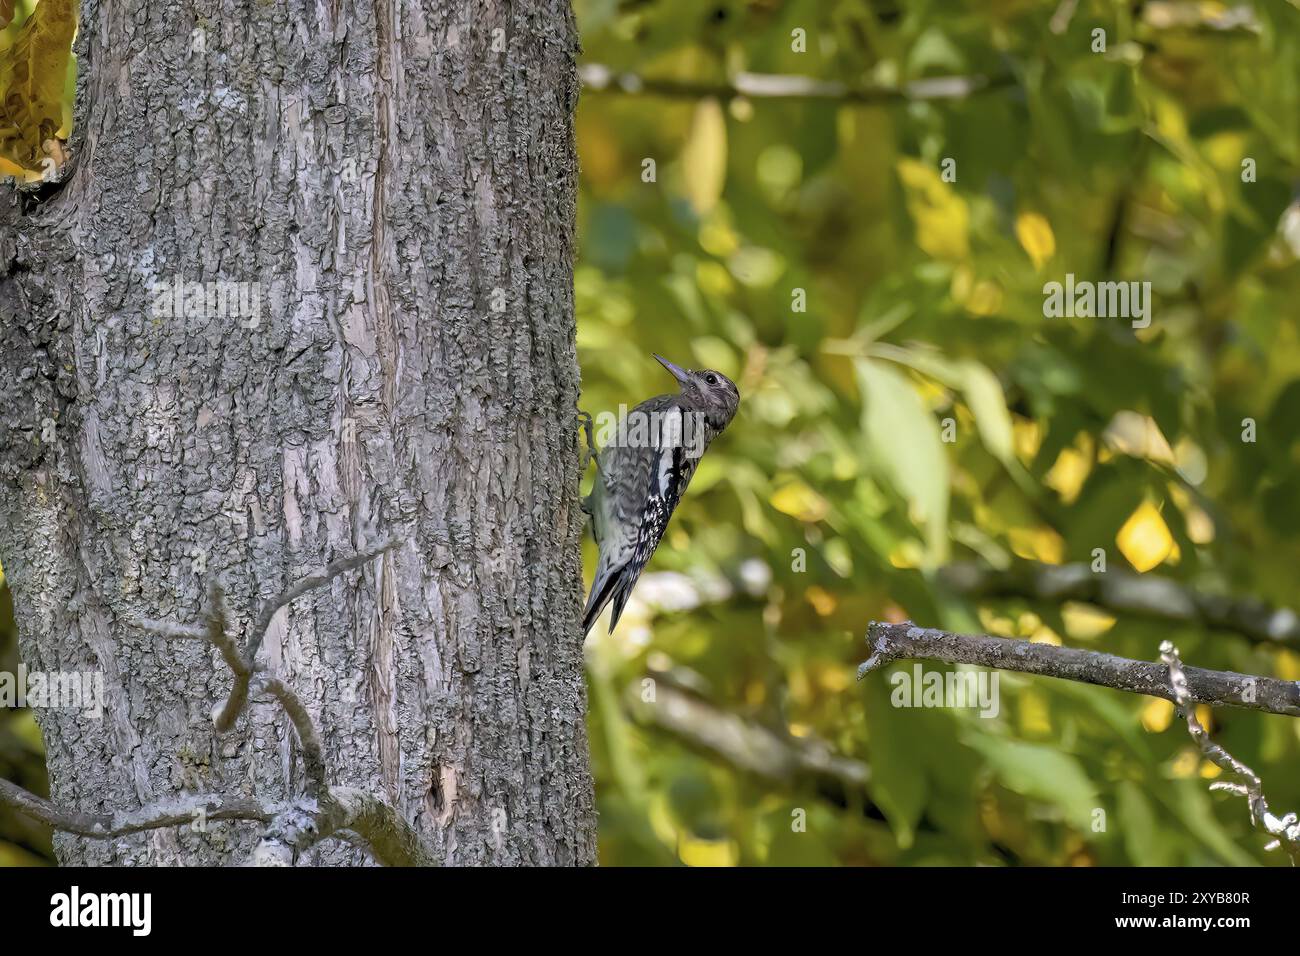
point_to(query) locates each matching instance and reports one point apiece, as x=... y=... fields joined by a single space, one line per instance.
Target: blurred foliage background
x=22 y=759
x=812 y=247
x=833 y=499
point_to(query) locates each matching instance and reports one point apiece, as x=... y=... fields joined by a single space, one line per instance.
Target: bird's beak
x=677 y=371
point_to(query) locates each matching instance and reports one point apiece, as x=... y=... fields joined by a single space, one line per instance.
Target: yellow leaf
x=1045 y=635
x=1037 y=544
x=1085 y=622
x=1145 y=539
x=941 y=216
x=713 y=278
x=799 y=501
x=704 y=160
x=908 y=553
x=1157 y=715
x=33 y=74
x=1068 y=474
x=602 y=162
x=835 y=679
x=1186 y=764
x=1288 y=665
x=1205 y=716
x=1028 y=435
x=1035 y=235
x=996 y=623
x=822 y=601
x=1028 y=622
x=717 y=237
x=695 y=852
x=985 y=298
x=1035 y=716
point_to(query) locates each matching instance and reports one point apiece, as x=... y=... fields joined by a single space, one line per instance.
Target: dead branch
x=890 y=642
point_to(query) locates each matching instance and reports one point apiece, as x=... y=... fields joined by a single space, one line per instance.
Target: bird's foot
x=590 y=452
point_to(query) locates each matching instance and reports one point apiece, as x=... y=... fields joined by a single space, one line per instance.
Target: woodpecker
x=642 y=475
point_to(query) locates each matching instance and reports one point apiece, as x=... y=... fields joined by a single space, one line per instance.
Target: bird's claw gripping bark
x=589 y=454
x=590 y=451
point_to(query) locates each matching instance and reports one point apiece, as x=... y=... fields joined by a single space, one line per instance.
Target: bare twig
x=313 y=753
x=597 y=78
x=219 y=636
x=310 y=583
x=890 y=642
x=181 y=811
x=1285 y=829
x=216 y=629
x=1137 y=595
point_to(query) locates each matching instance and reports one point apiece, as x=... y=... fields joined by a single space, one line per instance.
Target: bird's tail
x=602 y=589
x=610 y=584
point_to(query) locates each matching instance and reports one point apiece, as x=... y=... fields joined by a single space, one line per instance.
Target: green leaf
x=979 y=386
x=898 y=782
x=1041 y=773
x=984 y=395
x=903 y=444
x=1143 y=839
x=1192 y=805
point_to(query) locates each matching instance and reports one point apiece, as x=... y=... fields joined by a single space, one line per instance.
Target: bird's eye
x=711 y=379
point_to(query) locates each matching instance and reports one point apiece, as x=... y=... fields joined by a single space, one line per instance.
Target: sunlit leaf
x=941 y=216
x=704 y=160
x=1036 y=237
x=1041 y=772
x=799 y=501
x=1144 y=539
x=903 y=443
x=33 y=78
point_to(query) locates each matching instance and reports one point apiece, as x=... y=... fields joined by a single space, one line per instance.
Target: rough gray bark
x=399 y=178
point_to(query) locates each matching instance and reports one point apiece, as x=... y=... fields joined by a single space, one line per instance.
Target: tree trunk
x=395 y=182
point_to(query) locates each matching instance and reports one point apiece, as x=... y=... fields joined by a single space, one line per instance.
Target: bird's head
x=710 y=392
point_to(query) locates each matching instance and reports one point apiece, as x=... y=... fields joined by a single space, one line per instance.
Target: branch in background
x=1285 y=829
x=751 y=748
x=597 y=78
x=1123 y=592
x=1157 y=14
x=890 y=642
x=290 y=829
x=1201 y=18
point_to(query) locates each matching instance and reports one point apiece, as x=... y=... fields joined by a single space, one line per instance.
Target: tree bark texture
x=397 y=182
